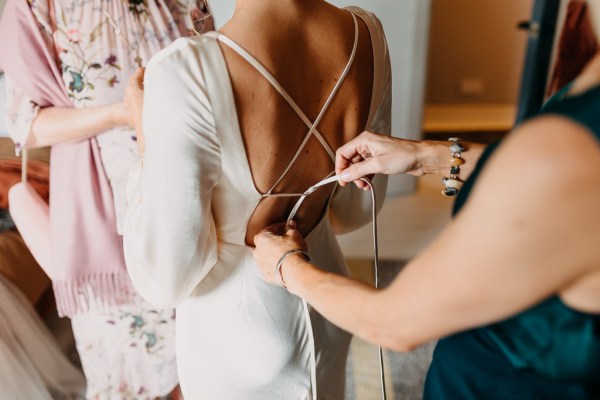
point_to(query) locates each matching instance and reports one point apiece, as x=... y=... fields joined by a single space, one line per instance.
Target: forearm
x=375 y=153
x=433 y=158
x=54 y=125
x=362 y=311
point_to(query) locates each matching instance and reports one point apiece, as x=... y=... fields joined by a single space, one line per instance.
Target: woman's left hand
x=271 y=243
x=134 y=100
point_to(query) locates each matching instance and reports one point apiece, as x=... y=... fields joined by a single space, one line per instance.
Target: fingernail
x=345 y=176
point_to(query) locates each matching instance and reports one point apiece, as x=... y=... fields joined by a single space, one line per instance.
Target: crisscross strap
x=277 y=86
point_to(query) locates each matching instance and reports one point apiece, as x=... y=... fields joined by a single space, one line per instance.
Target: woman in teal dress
x=511 y=285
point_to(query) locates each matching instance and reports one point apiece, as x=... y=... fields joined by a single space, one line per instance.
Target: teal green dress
x=549 y=351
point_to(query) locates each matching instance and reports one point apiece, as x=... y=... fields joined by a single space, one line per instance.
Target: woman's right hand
x=373 y=153
x=134 y=100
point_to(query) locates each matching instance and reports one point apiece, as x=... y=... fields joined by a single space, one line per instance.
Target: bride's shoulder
x=185 y=50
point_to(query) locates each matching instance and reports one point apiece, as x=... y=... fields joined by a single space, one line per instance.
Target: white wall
x=406 y=25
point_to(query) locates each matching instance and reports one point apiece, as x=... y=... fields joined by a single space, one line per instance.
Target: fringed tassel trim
x=92 y=292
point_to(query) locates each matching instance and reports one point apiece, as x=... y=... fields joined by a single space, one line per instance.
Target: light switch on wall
x=471 y=87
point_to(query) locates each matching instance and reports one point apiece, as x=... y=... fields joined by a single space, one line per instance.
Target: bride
x=236 y=125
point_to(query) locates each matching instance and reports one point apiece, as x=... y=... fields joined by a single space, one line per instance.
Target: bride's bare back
x=305 y=46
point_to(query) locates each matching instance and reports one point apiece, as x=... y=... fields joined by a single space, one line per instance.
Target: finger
x=348 y=163
x=139 y=72
x=351 y=148
x=355 y=171
x=292 y=233
x=356 y=159
x=138 y=77
x=341 y=162
x=261 y=238
x=350 y=152
x=360 y=184
x=366 y=186
x=267 y=234
x=291 y=225
x=295 y=236
x=275 y=229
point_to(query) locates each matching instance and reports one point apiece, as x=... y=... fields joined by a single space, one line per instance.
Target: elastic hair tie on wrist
x=278 y=272
x=452 y=182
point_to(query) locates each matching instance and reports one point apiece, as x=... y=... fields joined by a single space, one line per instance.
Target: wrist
x=119 y=116
x=433 y=157
x=291 y=271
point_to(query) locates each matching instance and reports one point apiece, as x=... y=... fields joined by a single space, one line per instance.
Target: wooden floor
x=406 y=225
x=404 y=372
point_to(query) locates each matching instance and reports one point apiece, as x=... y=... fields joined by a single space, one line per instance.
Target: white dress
x=189 y=203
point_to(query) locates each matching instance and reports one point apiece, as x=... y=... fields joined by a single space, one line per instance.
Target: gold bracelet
x=452 y=182
x=278 y=272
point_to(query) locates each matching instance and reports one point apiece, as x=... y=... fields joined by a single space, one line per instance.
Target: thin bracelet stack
x=278 y=272
x=452 y=181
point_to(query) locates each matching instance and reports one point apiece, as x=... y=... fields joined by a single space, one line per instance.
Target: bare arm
x=373 y=153
x=528 y=231
x=54 y=125
x=31 y=126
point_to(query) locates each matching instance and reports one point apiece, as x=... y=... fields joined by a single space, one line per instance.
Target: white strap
x=313 y=128
x=277 y=86
x=271 y=79
x=24 y=157
x=313 y=360
x=330 y=179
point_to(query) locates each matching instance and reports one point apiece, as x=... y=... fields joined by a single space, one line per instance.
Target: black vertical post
x=541 y=29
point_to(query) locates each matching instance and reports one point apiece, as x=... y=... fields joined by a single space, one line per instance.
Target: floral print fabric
x=100 y=43
x=127 y=352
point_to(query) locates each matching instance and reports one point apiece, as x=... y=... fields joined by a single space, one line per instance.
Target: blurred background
x=460 y=68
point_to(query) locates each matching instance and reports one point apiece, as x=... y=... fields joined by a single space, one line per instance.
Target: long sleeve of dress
x=170 y=239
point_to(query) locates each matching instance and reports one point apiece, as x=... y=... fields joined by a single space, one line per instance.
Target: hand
x=134 y=100
x=373 y=153
x=201 y=17
x=271 y=243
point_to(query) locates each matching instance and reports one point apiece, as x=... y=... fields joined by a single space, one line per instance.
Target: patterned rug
x=404 y=372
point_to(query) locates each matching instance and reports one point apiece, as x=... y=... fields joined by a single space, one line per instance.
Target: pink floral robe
x=128 y=351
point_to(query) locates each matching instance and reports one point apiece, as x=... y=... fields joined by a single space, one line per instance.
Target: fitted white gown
x=190 y=200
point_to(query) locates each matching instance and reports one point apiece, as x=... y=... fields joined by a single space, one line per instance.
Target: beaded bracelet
x=278 y=272
x=452 y=182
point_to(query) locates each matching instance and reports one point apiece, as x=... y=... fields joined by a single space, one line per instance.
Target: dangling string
x=24 y=158
x=330 y=179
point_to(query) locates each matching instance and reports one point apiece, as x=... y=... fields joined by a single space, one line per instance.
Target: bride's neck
x=271 y=15
x=275 y=10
